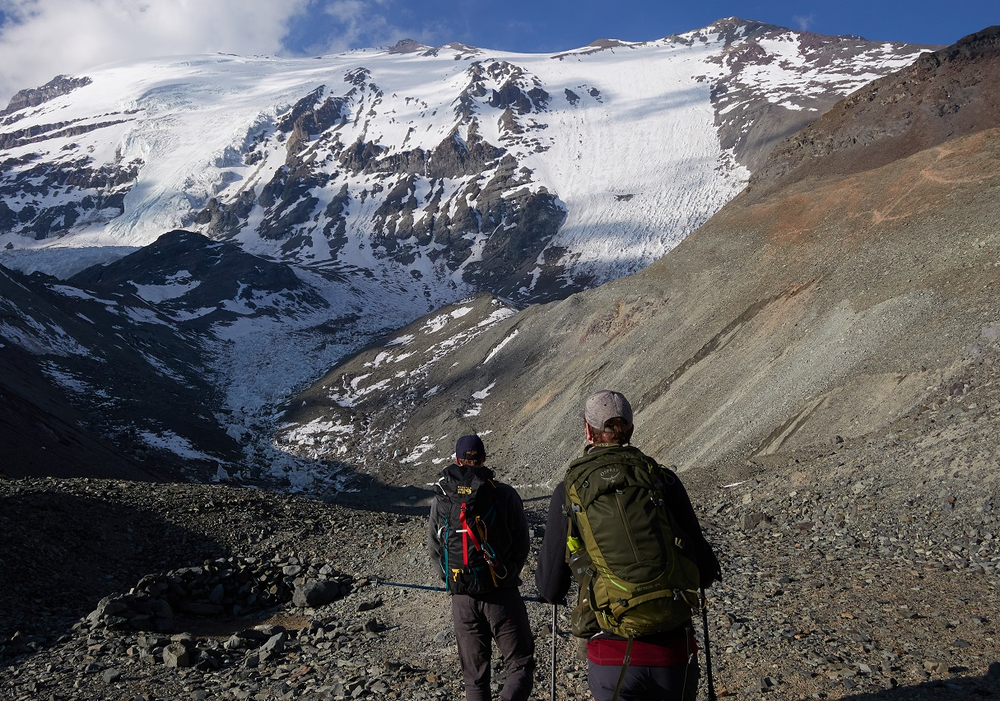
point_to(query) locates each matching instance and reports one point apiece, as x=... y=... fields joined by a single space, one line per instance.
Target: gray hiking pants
x=678 y=683
x=499 y=616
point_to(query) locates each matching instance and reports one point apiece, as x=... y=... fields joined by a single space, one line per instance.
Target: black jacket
x=553 y=576
x=510 y=509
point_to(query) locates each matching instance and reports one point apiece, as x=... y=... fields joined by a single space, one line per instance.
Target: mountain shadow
x=367 y=493
x=44 y=435
x=78 y=550
x=954 y=689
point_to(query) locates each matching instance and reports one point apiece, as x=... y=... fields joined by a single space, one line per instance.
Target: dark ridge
x=31 y=97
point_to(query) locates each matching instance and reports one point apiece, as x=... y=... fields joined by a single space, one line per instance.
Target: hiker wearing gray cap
x=623 y=526
x=478 y=543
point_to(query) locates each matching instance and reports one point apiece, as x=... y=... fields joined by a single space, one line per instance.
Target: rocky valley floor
x=857 y=570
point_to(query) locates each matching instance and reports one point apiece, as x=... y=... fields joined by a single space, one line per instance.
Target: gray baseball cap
x=606 y=405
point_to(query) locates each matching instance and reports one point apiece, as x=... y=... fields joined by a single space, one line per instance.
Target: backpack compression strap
x=479 y=543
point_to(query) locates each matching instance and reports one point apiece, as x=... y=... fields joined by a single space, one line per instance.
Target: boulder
x=315 y=593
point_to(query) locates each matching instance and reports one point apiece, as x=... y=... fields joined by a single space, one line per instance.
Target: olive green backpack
x=630 y=562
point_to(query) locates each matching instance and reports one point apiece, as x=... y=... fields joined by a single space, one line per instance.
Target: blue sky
x=40 y=39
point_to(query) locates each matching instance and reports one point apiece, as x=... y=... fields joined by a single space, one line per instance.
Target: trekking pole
x=708 y=649
x=555 y=630
x=377 y=581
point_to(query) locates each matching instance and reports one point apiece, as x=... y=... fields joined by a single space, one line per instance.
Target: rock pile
x=327 y=659
x=231 y=586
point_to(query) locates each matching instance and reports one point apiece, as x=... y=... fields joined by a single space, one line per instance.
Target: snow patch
x=172 y=290
x=498 y=347
x=171 y=442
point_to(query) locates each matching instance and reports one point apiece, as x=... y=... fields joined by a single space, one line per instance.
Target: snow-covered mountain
x=451 y=167
x=383 y=184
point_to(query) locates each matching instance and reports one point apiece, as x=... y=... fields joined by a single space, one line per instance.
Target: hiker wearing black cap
x=624 y=527
x=478 y=542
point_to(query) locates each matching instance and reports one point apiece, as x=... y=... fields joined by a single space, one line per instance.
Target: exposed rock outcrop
x=30 y=97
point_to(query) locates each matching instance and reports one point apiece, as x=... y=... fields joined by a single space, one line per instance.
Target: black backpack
x=472 y=535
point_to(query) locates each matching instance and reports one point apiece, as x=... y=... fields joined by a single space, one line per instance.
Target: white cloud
x=356 y=18
x=366 y=23
x=804 y=23
x=40 y=39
